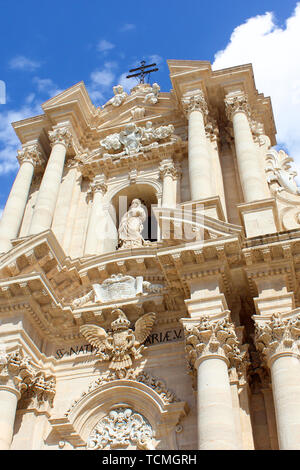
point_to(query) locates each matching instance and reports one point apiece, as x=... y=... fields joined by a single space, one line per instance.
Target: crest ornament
x=121 y=344
x=121 y=428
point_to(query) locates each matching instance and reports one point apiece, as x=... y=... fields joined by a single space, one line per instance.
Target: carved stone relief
x=278 y=169
x=133 y=138
x=34 y=386
x=118 y=287
x=121 y=344
x=152 y=96
x=122 y=428
x=118 y=99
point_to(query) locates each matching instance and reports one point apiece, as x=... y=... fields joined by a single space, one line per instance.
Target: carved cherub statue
x=120 y=96
x=122 y=343
x=152 y=96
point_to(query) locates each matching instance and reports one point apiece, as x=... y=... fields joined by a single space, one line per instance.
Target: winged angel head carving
x=121 y=343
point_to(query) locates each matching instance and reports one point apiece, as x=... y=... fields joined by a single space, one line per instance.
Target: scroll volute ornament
x=121 y=344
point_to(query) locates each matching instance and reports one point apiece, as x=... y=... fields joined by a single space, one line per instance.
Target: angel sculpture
x=122 y=343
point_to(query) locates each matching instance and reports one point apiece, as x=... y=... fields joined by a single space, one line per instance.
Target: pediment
x=73 y=101
x=134 y=109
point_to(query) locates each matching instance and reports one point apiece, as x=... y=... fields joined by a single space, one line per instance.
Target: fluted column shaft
x=14 y=209
x=48 y=193
x=277 y=339
x=208 y=342
x=199 y=160
x=98 y=189
x=249 y=166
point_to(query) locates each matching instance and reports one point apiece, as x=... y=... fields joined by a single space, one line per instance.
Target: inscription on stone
x=166 y=336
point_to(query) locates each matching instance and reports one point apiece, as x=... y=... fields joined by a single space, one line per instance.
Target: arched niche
x=147 y=193
x=77 y=425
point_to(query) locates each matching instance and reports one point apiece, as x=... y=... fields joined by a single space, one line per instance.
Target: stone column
x=277 y=338
x=14 y=373
x=211 y=343
x=96 y=219
x=46 y=200
x=12 y=216
x=168 y=174
x=199 y=159
x=250 y=170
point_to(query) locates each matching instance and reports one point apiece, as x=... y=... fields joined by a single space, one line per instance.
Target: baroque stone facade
x=149 y=268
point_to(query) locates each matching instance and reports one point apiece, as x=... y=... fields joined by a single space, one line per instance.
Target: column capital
x=209 y=337
x=98 y=185
x=194 y=102
x=15 y=371
x=60 y=135
x=168 y=168
x=32 y=154
x=236 y=103
x=18 y=375
x=278 y=335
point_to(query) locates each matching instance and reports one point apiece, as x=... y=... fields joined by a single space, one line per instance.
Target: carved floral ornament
x=16 y=370
x=212 y=337
x=60 y=135
x=277 y=335
x=236 y=103
x=278 y=170
x=133 y=138
x=31 y=154
x=167 y=168
x=194 y=102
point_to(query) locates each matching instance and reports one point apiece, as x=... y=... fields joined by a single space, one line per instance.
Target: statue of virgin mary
x=131 y=226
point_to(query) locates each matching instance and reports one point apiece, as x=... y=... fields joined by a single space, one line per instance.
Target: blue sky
x=47 y=47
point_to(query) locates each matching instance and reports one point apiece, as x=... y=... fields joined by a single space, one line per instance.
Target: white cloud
x=46 y=86
x=274 y=54
x=155 y=58
x=127 y=27
x=104 y=45
x=102 y=81
x=9 y=142
x=127 y=83
x=23 y=63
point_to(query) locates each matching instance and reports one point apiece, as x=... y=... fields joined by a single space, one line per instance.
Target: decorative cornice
x=60 y=135
x=194 y=102
x=278 y=336
x=236 y=104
